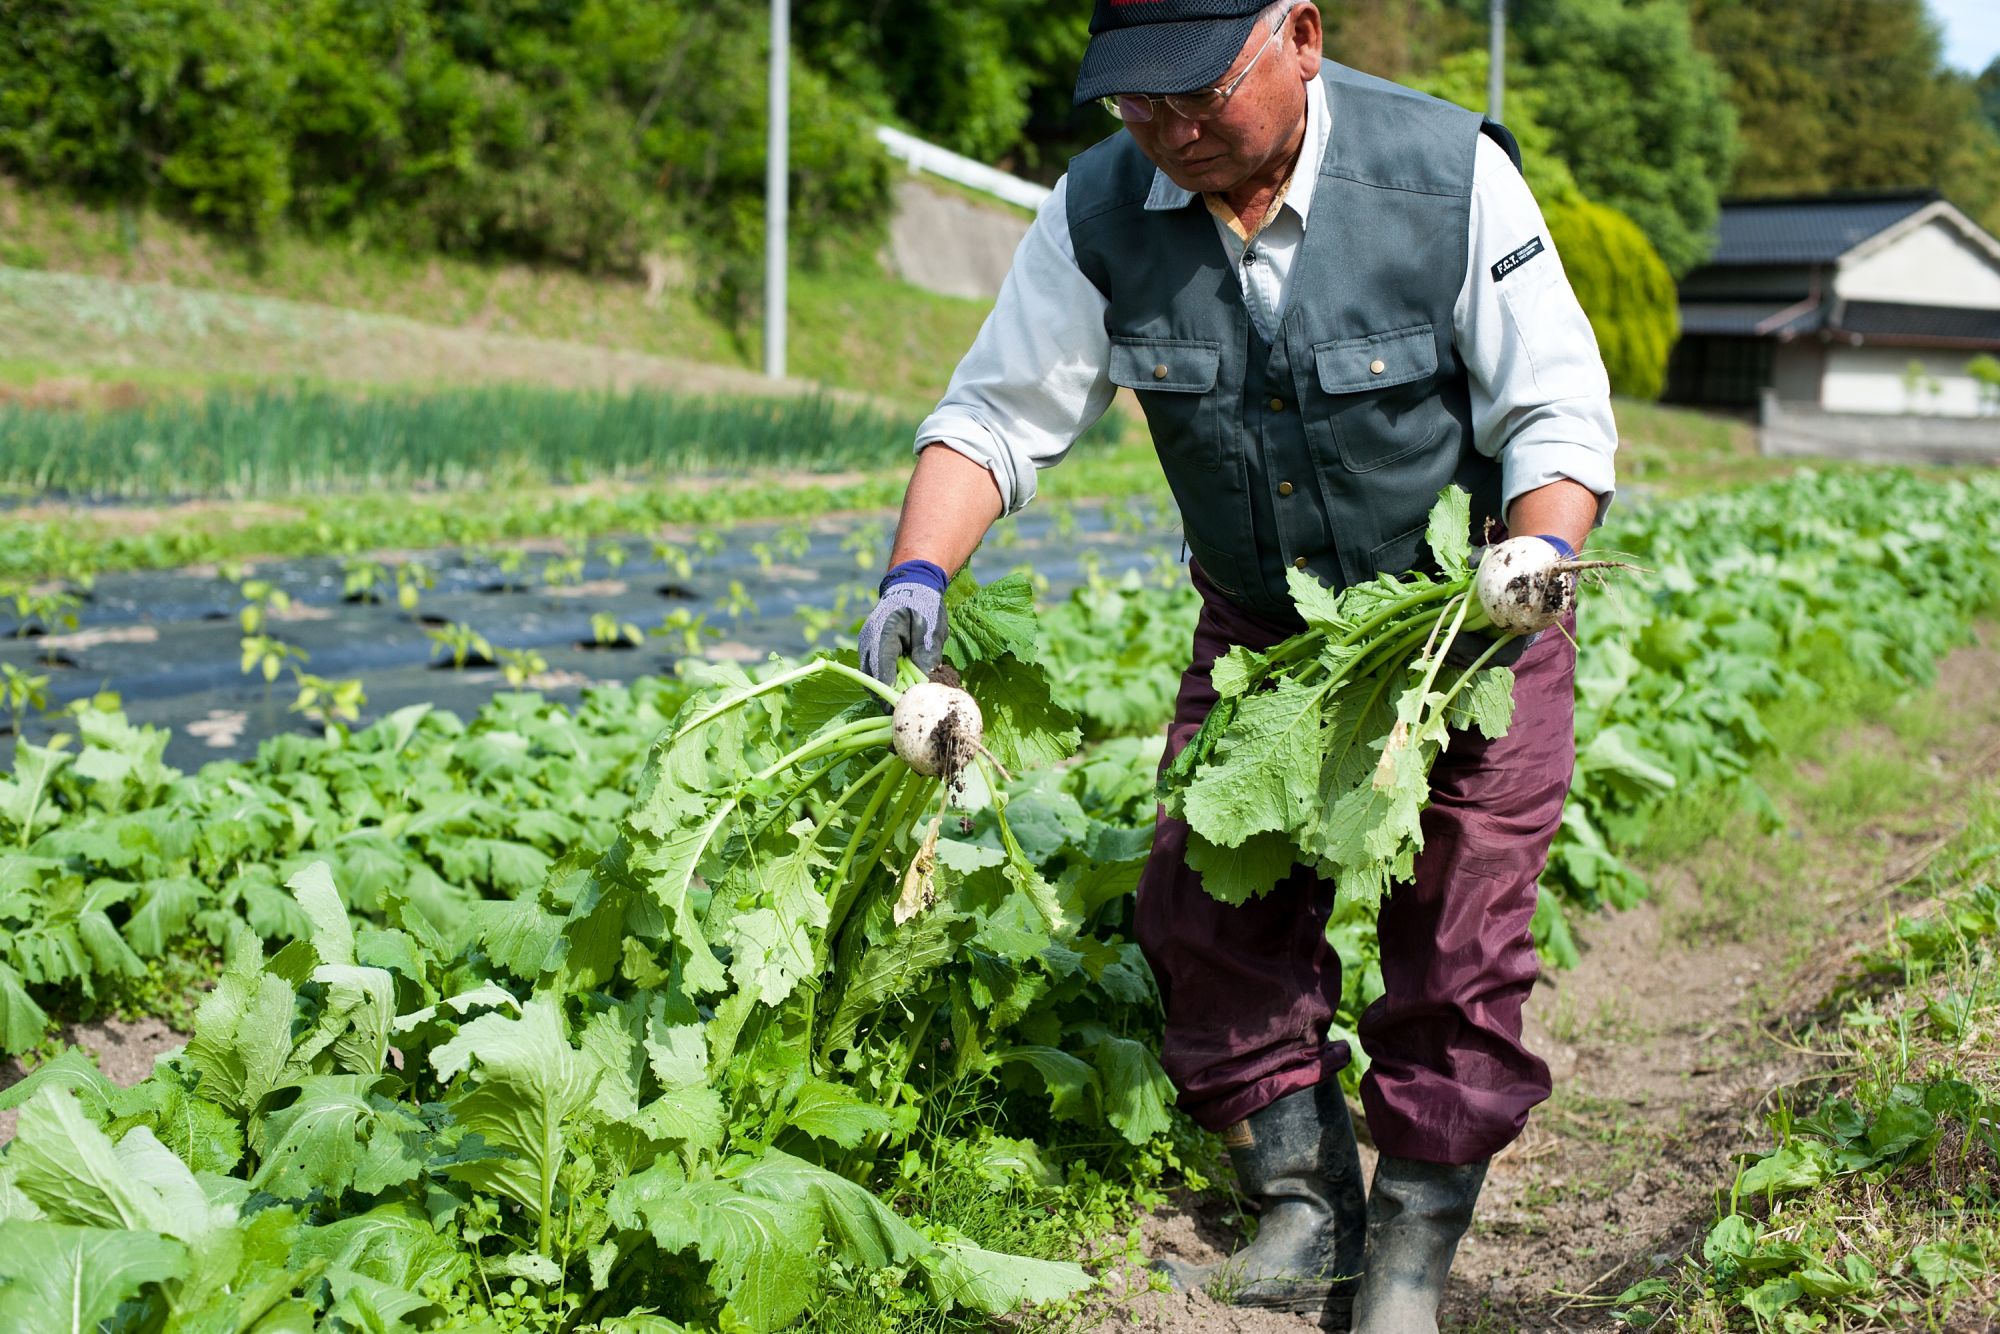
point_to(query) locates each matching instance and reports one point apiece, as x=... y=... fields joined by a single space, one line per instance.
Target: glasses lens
x=1129 y=106
x=1204 y=105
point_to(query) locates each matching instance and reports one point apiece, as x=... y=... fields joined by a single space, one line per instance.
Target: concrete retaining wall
x=1803 y=430
x=950 y=245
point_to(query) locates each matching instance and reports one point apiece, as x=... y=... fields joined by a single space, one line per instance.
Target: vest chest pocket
x=1382 y=395
x=1175 y=381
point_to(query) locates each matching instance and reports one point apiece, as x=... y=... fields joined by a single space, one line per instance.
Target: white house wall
x=1872 y=379
x=1934 y=265
x=1796 y=371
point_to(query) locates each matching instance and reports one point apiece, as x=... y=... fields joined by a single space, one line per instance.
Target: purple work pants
x=1249 y=990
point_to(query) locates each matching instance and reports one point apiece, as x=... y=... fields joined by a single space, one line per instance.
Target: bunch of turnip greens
x=652 y=1089
x=1318 y=751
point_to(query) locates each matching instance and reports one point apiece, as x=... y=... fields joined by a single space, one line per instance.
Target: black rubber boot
x=1296 y=1159
x=1417 y=1212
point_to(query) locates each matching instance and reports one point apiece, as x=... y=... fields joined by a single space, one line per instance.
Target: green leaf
x=22 y=1022
x=887 y=970
x=71 y=1170
x=830 y=1112
x=335 y=1137
x=357 y=1012
x=69 y=1280
x=990 y=621
x=1265 y=775
x=1799 y=1165
x=759 y=1250
x=394 y=1245
x=1023 y=725
x=1239 y=874
x=1072 y=1084
x=332 y=934
x=964 y=1275
x=520 y=935
x=70 y=1070
x=243 y=1031
x=1449 y=534
x=1486 y=704
x=1136 y=1091
x=863 y=1230
x=1235 y=671
x=529 y=1084
x=1771 y=1297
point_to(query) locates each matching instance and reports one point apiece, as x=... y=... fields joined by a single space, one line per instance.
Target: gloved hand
x=908 y=621
x=1469 y=644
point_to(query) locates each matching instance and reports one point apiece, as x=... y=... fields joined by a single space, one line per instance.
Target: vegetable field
x=690 y=1006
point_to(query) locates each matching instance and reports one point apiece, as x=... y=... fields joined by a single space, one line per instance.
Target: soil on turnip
x=1666 y=1044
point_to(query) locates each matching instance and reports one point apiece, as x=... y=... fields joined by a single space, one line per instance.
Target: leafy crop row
x=270 y=442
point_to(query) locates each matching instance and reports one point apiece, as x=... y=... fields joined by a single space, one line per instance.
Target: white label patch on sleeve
x=1517 y=259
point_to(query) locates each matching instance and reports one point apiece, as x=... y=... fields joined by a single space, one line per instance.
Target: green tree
x=1851 y=95
x=577 y=131
x=1636 y=110
x=1987 y=85
x=967 y=76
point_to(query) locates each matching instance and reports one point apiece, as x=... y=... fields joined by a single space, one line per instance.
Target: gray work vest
x=1326 y=447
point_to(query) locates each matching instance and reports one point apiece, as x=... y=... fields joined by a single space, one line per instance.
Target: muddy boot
x=1297 y=1160
x=1416 y=1214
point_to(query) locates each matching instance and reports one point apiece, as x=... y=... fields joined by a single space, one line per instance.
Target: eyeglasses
x=1203 y=103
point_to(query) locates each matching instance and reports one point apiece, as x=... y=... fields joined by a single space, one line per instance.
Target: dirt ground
x=1665 y=1043
x=124 y=1049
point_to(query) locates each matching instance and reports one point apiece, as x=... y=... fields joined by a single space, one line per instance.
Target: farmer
x=1332 y=297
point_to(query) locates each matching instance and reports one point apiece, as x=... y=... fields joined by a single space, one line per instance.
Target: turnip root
x=1524 y=584
x=937 y=729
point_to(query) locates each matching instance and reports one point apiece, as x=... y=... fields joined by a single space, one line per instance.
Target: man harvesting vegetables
x=1333 y=298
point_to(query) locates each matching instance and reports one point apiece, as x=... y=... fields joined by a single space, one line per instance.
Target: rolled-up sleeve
x=1035 y=378
x=1541 y=402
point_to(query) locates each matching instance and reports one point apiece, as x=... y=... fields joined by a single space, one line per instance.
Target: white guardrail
x=952 y=166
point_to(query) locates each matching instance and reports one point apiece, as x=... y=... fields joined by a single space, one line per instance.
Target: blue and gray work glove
x=908 y=621
x=1469 y=644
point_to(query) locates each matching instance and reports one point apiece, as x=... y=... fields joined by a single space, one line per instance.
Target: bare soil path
x=1669 y=1039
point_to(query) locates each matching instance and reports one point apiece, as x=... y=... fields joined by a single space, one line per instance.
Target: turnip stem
x=859 y=735
x=840 y=890
x=738 y=698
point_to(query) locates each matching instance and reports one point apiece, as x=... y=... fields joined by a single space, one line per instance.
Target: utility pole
x=777 y=154
x=1496 y=58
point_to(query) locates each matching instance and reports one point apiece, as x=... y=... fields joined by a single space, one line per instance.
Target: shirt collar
x=1166 y=195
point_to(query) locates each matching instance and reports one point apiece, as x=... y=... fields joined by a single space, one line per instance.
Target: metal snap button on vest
x=1284 y=488
x=1277 y=405
x=1299 y=564
x=1377 y=366
x=1159 y=372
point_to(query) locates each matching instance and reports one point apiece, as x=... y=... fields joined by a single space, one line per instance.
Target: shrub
x=1625 y=289
x=575 y=133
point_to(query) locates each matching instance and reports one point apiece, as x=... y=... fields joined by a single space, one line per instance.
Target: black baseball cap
x=1162 y=46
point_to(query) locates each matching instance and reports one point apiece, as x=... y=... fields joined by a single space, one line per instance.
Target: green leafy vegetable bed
x=544 y=1022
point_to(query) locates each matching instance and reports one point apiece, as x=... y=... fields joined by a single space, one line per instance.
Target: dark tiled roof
x=1747 y=318
x=1807 y=231
x=1890 y=321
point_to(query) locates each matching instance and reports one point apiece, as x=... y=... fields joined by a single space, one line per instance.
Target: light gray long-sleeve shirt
x=1035 y=378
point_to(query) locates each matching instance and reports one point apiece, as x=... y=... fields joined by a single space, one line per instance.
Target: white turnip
x=1525 y=585
x=937 y=729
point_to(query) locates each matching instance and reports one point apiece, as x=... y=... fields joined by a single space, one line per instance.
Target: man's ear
x=1308 y=37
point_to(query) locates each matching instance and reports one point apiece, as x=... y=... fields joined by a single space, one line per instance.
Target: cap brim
x=1161 y=57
